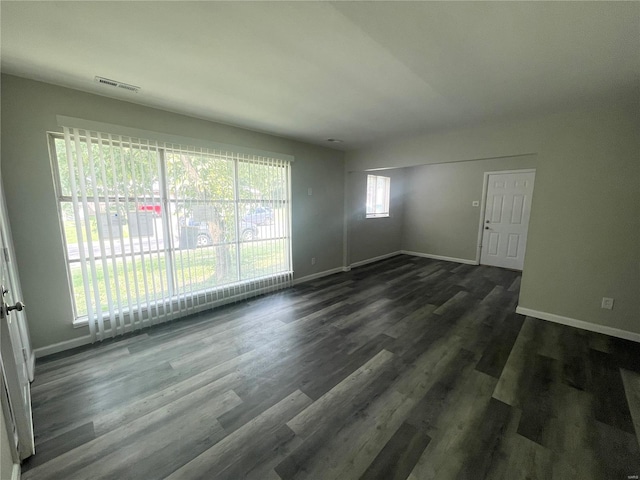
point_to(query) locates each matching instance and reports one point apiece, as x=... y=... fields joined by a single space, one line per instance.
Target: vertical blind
x=378 y=193
x=155 y=231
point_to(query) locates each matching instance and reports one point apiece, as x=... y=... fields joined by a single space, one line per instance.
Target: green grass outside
x=71 y=232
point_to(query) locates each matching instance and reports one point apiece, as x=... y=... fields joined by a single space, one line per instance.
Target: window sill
x=377 y=216
x=81 y=322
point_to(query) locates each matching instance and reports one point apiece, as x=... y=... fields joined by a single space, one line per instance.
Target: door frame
x=19 y=414
x=9 y=425
x=483 y=205
x=15 y=286
x=15 y=343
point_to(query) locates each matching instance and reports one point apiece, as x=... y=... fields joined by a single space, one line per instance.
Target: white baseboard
x=15 y=472
x=326 y=273
x=374 y=259
x=314 y=276
x=440 y=257
x=572 y=322
x=62 y=346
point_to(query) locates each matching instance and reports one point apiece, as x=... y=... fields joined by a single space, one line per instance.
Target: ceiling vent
x=114 y=83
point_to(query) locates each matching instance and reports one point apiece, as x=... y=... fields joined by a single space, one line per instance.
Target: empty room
x=320 y=240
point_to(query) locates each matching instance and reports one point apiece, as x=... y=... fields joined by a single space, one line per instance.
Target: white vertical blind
x=378 y=194
x=156 y=231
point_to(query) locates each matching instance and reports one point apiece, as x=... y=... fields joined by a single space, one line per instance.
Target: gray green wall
x=29 y=110
x=584 y=231
x=439 y=216
x=374 y=237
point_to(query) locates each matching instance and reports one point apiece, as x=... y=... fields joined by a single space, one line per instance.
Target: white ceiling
x=358 y=71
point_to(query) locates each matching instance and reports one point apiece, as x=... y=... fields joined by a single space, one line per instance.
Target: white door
x=506 y=219
x=15 y=349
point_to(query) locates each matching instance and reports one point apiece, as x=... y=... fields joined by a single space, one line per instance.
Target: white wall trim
x=15 y=472
x=572 y=322
x=374 y=259
x=313 y=276
x=62 y=346
x=440 y=257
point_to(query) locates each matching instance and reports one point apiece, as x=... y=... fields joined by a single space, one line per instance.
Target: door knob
x=19 y=306
x=486 y=228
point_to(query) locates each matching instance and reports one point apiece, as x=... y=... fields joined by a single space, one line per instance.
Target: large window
x=378 y=189
x=155 y=230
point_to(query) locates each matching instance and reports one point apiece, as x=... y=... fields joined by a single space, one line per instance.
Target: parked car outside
x=259 y=216
x=248 y=232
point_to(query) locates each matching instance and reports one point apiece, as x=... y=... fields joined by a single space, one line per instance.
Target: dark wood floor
x=406 y=368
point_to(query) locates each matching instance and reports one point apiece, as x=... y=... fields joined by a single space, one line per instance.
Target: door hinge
x=5 y=251
x=25 y=356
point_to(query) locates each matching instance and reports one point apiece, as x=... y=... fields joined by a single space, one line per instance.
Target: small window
x=378 y=196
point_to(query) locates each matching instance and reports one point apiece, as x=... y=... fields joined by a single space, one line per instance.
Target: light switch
x=310 y=191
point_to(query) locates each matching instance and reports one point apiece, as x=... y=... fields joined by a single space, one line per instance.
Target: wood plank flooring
x=408 y=368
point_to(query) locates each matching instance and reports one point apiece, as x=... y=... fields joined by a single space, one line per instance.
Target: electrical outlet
x=607 y=303
x=313 y=260
x=475 y=203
